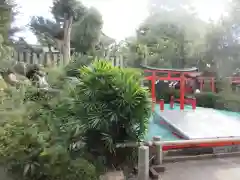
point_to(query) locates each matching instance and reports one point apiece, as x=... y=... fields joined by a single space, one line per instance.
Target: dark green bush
x=114 y=108
x=73 y=134
x=166 y=94
x=163 y=91
x=78 y=60
x=30 y=151
x=223 y=101
x=37 y=137
x=228 y=101
x=207 y=99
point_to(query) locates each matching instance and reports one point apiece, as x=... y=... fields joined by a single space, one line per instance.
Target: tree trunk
x=66 y=39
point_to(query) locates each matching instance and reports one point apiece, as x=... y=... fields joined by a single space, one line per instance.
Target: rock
x=21 y=73
x=114 y=175
x=20 y=68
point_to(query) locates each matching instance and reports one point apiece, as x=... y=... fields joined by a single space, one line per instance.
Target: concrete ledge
x=190 y=152
x=199 y=157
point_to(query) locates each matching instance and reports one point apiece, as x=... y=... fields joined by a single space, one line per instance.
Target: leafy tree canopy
x=86 y=28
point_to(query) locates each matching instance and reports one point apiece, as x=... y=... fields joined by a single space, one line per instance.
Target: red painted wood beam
x=200 y=145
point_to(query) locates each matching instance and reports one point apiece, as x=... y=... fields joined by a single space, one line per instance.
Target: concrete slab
x=212 y=169
x=201 y=123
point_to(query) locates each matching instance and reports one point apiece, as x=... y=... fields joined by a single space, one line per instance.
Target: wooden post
x=213 y=84
x=182 y=91
x=194 y=103
x=201 y=84
x=171 y=102
x=153 y=90
x=143 y=163
x=153 y=104
x=159 y=151
x=153 y=85
x=161 y=104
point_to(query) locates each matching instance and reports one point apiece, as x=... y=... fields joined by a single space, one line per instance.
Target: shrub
x=56 y=76
x=36 y=137
x=163 y=91
x=207 y=99
x=113 y=106
x=78 y=60
x=223 y=101
x=73 y=134
x=228 y=101
x=166 y=95
x=30 y=151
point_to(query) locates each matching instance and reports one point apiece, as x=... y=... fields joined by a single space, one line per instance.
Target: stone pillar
x=28 y=57
x=15 y=55
x=61 y=59
x=159 y=151
x=35 y=58
x=143 y=163
x=55 y=59
x=21 y=57
x=42 y=60
x=47 y=58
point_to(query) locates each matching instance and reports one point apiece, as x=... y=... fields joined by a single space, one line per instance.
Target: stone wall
x=45 y=58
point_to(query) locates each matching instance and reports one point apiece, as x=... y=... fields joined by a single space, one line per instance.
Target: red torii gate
x=170 y=72
x=192 y=72
x=212 y=80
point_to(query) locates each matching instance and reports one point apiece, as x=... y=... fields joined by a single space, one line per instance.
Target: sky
x=116 y=14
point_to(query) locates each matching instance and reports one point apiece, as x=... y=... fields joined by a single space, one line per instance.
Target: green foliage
x=36 y=140
x=224 y=101
x=165 y=39
x=163 y=91
x=166 y=95
x=69 y=7
x=73 y=134
x=229 y=101
x=86 y=32
x=5 y=20
x=8 y=12
x=86 y=28
x=56 y=77
x=45 y=30
x=115 y=108
x=78 y=60
x=207 y=99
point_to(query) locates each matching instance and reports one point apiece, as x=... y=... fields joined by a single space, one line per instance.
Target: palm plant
x=113 y=106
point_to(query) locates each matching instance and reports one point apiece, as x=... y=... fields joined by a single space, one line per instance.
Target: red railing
x=188 y=101
x=199 y=143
